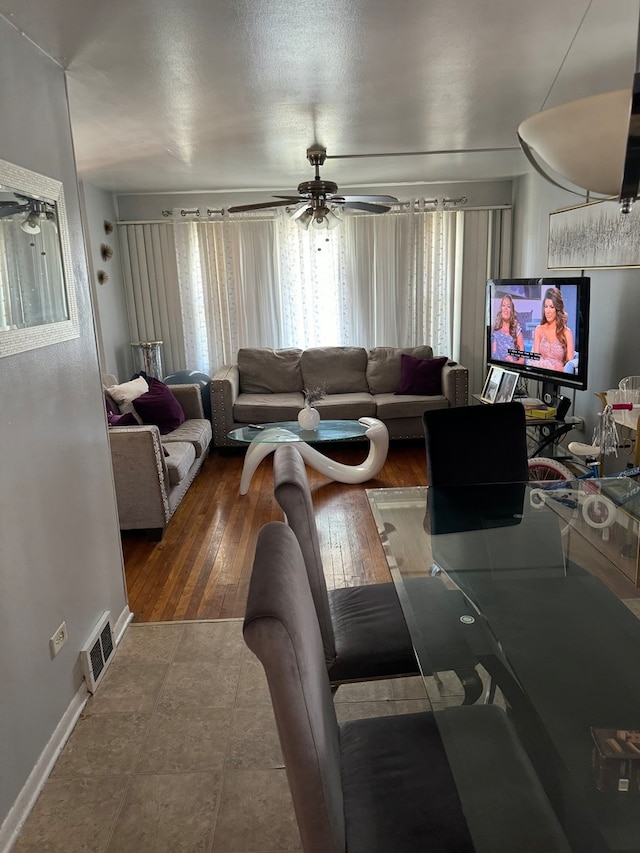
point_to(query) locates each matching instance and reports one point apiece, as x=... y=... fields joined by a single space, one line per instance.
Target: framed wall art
x=594 y=236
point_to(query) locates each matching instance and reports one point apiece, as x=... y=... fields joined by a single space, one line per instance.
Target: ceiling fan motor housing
x=317 y=188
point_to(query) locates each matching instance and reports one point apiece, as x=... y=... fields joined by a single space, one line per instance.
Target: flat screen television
x=539 y=327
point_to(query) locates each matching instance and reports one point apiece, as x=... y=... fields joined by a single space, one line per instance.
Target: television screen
x=539 y=327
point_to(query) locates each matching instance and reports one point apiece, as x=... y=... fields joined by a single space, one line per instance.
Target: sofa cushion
x=347 y=406
x=420 y=375
x=195 y=431
x=384 y=366
x=124 y=394
x=158 y=406
x=179 y=457
x=266 y=408
x=339 y=370
x=269 y=371
x=392 y=406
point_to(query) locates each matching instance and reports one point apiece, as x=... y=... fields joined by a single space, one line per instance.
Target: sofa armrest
x=455 y=384
x=190 y=399
x=140 y=476
x=225 y=387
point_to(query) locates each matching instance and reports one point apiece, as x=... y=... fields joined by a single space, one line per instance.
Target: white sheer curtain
x=397 y=279
x=32 y=285
x=400 y=271
x=315 y=296
x=230 y=289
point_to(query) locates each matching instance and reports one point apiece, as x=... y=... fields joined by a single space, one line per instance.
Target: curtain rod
x=195 y=211
x=185 y=212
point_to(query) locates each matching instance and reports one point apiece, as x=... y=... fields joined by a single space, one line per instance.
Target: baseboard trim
x=121 y=624
x=25 y=801
x=27 y=797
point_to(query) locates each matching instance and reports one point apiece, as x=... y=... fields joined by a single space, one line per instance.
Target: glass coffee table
x=264 y=439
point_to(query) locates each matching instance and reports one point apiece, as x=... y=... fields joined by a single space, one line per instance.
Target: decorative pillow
x=158 y=406
x=421 y=376
x=127 y=392
x=383 y=366
x=121 y=420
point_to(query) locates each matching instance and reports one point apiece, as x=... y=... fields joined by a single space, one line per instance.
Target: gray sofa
x=152 y=472
x=266 y=385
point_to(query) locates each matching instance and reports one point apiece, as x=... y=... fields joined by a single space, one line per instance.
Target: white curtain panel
x=31 y=276
x=152 y=291
x=398 y=279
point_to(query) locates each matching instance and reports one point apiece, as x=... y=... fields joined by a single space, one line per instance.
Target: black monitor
x=539 y=328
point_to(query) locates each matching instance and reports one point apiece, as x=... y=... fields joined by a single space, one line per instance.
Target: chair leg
x=472 y=684
x=490 y=695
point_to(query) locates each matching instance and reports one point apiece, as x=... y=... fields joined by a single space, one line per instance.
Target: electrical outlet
x=58 y=640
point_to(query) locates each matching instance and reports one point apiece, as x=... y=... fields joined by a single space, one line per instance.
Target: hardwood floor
x=201 y=568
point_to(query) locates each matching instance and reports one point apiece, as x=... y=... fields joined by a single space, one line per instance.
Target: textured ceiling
x=228 y=94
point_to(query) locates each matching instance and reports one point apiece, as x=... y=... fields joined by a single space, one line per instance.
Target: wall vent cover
x=96 y=654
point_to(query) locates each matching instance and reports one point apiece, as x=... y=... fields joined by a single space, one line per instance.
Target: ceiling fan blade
x=294 y=198
x=9 y=208
x=265 y=205
x=370 y=208
x=374 y=199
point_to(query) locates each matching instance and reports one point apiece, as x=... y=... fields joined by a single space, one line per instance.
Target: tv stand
x=548 y=392
x=551 y=395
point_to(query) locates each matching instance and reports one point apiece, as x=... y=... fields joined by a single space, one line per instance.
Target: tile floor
x=177 y=752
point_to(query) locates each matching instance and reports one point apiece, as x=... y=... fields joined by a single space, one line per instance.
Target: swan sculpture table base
x=264 y=441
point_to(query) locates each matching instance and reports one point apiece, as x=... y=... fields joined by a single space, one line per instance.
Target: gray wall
x=60 y=554
x=110 y=309
x=615 y=295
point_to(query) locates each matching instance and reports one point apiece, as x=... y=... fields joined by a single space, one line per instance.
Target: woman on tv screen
x=507 y=333
x=553 y=339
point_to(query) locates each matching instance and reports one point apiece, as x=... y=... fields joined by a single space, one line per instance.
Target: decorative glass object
x=149 y=357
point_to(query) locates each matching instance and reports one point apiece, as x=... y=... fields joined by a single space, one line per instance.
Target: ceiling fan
x=34 y=209
x=319 y=200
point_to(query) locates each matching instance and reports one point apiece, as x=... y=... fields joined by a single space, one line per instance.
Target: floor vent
x=97 y=652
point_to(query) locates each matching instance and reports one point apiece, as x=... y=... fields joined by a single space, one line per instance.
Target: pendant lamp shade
x=583 y=141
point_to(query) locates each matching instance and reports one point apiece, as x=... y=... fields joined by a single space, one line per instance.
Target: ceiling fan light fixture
x=303 y=220
x=324 y=218
x=31 y=223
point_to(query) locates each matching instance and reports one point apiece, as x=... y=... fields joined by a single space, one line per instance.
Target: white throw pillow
x=125 y=393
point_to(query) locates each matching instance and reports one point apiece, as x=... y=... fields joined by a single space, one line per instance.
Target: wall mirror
x=37 y=297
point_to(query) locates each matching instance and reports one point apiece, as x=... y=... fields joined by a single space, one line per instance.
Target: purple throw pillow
x=158 y=406
x=419 y=376
x=121 y=420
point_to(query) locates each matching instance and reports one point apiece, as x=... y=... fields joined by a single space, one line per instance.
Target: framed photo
x=491 y=385
x=507 y=387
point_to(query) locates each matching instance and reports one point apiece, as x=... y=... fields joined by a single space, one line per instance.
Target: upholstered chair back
x=470 y=445
x=292 y=492
x=281 y=628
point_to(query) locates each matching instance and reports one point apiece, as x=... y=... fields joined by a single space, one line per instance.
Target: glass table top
x=288 y=431
x=560 y=649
